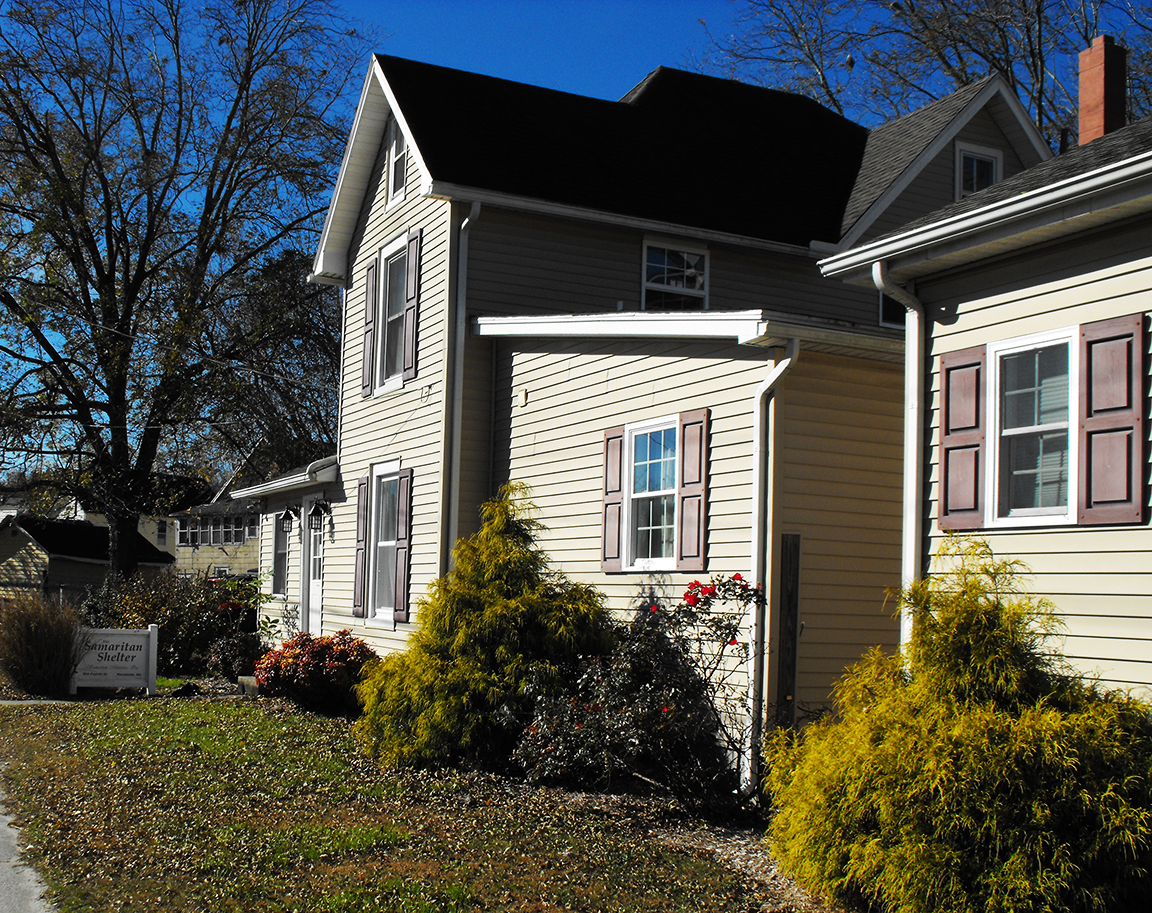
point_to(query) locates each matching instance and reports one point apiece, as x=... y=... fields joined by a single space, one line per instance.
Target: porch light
x=316 y=515
x=286 y=520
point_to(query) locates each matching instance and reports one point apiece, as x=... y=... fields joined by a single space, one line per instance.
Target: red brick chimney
x=1103 y=88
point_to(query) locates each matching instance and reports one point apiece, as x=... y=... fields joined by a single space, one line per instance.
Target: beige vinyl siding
x=405 y=423
x=204 y=559
x=839 y=484
x=935 y=185
x=523 y=264
x=1098 y=578
x=23 y=565
x=841 y=423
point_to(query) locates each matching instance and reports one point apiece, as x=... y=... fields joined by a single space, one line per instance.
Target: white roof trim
x=758 y=328
x=318 y=472
x=1067 y=200
x=996 y=86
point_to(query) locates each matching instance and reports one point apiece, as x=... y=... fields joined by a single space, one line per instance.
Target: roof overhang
x=1108 y=194
x=751 y=328
x=318 y=472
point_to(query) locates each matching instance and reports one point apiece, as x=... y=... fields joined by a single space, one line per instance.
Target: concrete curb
x=21 y=890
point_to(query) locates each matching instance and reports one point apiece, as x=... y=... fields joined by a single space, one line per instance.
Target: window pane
x=653 y=527
x=1035 y=471
x=384 y=586
x=1035 y=387
x=675 y=269
x=392 y=340
x=280 y=561
x=654 y=461
x=978 y=172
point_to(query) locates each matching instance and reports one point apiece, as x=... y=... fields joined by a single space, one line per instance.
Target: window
x=1052 y=435
x=217 y=531
x=397 y=162
x=977 y=167
x=233 y=530
x=655 y=494
x=674 y=279
x=392 y=292
x=279 y=561
x=383 y=544
x=253 y=527
x=220 y=570
x=162 y=533
x=182 y=532
x=188 y=531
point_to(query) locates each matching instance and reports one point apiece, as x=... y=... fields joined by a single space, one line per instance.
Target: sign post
x=117 y=658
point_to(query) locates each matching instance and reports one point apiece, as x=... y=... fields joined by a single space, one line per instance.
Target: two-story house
x=618 y=303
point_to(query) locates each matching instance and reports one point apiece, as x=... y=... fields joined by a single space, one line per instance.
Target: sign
x=116 y=658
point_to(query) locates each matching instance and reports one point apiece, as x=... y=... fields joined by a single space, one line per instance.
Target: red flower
x=732 y=642
x=690 y=598
x=737 y=577
x=653 y=610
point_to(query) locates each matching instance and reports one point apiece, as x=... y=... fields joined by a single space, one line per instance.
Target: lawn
x=248 y=804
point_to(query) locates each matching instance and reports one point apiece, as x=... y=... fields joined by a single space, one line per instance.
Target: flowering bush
x=316 y=672
x=660 y=709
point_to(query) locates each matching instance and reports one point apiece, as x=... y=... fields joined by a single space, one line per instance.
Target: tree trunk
x=123 y=541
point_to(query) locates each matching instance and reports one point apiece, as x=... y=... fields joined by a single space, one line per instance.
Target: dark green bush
x=659 y=709
x=499 y=618
x=39 y=643
x=192 y=614
x=319 y=673
x=974 y=773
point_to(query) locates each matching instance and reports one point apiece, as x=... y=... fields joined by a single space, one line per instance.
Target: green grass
x=238 y=806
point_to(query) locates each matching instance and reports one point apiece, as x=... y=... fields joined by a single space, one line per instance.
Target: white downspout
x=763 y=513
x=911 y=555
x=452 y=483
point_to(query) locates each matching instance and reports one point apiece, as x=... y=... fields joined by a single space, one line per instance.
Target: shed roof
x=79 y=539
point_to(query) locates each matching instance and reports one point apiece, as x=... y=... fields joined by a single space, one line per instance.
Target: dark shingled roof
x=81 y=539
x=893 y=146
x=680 y=148
x=1107 y=150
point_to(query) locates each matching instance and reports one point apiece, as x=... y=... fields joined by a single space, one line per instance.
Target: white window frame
x=182 y=531
x=252 y=527
x=628 y=526
x=680 y=247
x=162 y=533
x=375 y=615
x=996 y=156
x=397 y=248
x=1041 y=516
x=396 y=138
x=278 y=536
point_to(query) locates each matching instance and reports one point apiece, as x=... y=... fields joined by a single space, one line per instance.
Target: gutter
x=455 y=420
x=911 y=542
x=322 y=470
x=763 y=535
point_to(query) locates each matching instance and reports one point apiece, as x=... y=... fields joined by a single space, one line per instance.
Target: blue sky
x=600 y=48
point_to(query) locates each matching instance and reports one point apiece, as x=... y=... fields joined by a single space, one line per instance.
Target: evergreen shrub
x=501 y=618
x=39 y=643
x=192 y=614
x=319 y=673
x=974 y=773
x=660 y=709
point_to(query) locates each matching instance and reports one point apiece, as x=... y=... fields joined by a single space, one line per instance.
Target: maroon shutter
x=403 y=541
x=368 y=367
x=361 y=566
x=962 y=429
x=611 y=555
x=1112 y=421
x=411 y=303
x=692 y=490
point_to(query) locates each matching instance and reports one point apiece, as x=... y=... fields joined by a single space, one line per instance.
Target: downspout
x=763 y=523
x=452 y=482
x=911 y=554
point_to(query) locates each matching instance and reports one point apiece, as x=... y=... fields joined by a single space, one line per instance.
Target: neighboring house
x=157 y=531
x=618 y=304
x=220 y=539
x=1028 y=374
x=67 y=557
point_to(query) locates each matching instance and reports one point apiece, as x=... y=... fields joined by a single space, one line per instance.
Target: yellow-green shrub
x=499 y=618
x=972 y=774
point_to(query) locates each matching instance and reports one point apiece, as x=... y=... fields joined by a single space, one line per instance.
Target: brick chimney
x=1103 y=88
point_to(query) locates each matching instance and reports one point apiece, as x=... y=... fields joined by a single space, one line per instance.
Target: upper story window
x=1045 y=429
x=977 y=167
x=397 y=162
x=674 y=279
x=392 y=294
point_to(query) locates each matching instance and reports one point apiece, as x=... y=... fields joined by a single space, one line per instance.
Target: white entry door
x=312 y=567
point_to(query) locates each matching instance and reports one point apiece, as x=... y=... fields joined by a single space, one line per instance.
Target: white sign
x=116 y=658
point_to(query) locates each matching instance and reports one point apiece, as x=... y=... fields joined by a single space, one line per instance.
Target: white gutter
x=911 y=548
x=451 y=483
x=763 y=532
x=325 y=469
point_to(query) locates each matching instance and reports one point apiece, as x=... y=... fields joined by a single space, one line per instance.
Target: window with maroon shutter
x=611 y=550
x=359 y=583
x=692 y=491
x=403 y=542
x=368 y=365
x=1111 y=404
x=411 y=303
x=962 y=426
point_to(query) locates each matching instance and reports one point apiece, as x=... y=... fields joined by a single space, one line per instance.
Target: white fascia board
x=319 y=472
x=1110 y=187
x=757 y=328
x=927 y=154
x=456 y=192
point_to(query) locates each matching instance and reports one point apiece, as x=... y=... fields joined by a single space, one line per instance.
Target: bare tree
x=877 y=59
x=153 y=155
